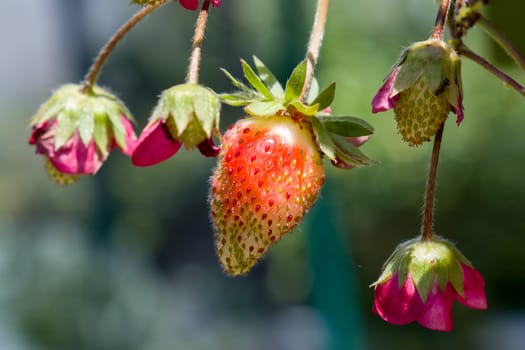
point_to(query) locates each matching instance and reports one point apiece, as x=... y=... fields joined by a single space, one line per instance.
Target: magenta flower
x=75 y=132
x=422 y=88
x=186 y=114
x=194 y=4
x=421 y=281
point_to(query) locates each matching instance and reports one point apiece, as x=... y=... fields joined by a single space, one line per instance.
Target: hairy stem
x=428 y=208
x=94 y=71
x=502 y=41
x=465 y=51
x=196 y=53
x=314 y=44
x=441 y=19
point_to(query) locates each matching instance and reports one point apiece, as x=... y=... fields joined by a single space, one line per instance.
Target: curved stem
x=502 y=41
x=428 y=209
x=464 y=50
x=100 y=60
x=441 y=19
x=314 y=44
x=195 y=59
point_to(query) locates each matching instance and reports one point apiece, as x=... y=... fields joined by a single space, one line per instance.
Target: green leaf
x=67 y=124
x=309 y=110
x=326 y=144
x=325 y=97
x=295 y=84
x=263 y=108
x=86 y=126
x=268 y=78
x=346 y=126
x=255 y=81
x=348 y=152
x=237 y=83
x=101 y=133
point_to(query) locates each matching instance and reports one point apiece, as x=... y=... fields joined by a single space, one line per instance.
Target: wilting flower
x=194 y=4
x=75 y=131
x=421 y=281
x=422 y=88
x=185 y=114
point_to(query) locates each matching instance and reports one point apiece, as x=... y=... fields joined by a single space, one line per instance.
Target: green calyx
x=427 y=262
x=95 y=114
x=146 y=2
x=265 y=96
x=191 y=112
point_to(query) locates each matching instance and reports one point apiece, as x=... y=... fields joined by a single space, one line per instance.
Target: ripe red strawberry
x=268 y=175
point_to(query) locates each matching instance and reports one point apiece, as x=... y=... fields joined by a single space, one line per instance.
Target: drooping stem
x=465 y=51
x=314 y=44
x=100 y=60
x=502 y=41
x=195 y=59
x=441 y=19
x=428 y=208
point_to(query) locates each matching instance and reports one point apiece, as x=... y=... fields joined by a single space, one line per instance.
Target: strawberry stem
x=314 y=44
x=195 y=59
x=428 y=209
x=502 y=41
x=441 y=18
x=100 y=60
x=465 y=51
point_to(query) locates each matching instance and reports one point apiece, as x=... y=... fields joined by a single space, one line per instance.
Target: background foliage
x=125 y=260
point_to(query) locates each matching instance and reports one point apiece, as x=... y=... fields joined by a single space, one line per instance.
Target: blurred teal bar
x=334 y=286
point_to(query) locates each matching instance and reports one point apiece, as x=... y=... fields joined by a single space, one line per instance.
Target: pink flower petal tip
x=154 y=146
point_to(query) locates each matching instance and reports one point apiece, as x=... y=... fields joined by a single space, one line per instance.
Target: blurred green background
x=125 y=260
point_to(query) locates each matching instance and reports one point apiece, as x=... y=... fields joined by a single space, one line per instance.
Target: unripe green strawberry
x=268 y=175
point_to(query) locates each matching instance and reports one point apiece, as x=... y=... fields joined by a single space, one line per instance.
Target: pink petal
x=208 y=148
x=459 y=111
x=73 y=157
x=474 y=288
x=189 y=4
x=437 y=312
x=154 y=145
x=358 y=141
x=397 y=305
x=383 y=100
x=131 y=138
x=216 y=3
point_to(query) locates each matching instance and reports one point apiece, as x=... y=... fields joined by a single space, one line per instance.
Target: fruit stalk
x=428 y=209
x=462 y=49
x=195 y=59
x=441 y=18
x=314 y=44
x=100 y=60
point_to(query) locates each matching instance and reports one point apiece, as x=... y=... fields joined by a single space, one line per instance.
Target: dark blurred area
x=125 y=260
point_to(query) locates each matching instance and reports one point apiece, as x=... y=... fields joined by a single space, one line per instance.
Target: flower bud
x=185 y=114
x=75 y=130
x=422 y=88
x=421 y=281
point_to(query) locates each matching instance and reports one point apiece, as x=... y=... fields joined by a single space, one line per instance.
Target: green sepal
x=239 y=99
x=86 y=126
x=324 y=140
x=101 y=133
x=308 y=110
x=262 y=108
x=424 y=277
x=295 y=84
x=117 y=126
x=144 y=2
x=347 y=126
x=67 y=124
x=268 y=78
x=236 y=82
x=325 y=97
x=207 y=108
x=456 y=278
x=349 y=153
x=255 y=81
